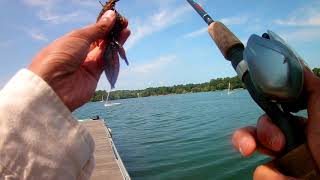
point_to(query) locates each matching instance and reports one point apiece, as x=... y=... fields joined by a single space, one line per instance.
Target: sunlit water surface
x=180 y=136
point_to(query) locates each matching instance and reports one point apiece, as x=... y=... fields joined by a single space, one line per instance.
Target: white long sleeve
x=39 y=138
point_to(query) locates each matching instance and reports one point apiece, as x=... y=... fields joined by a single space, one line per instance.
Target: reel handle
x=224 y=38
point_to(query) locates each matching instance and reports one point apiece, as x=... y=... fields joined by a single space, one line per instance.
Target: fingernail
x=275 y=142
x=243 y=145
x=241 y=151
x=264 y=118
x=107 y=15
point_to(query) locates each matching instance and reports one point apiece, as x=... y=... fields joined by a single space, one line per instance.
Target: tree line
x=213 y=85
x=316 y=71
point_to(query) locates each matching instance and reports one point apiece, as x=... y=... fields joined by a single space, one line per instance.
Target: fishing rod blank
x=206 y=17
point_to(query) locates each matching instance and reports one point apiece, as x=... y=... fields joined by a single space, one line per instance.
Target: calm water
x=180 y=136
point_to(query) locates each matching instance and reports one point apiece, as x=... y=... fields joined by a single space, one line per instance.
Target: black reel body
x=277 y=71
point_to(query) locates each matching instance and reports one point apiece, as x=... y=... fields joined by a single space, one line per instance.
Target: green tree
x=213 y=85
x=317 y=71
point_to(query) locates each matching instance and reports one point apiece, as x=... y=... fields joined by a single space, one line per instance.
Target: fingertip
x=266 y=172
x=125 y=22
x=127 y=31
x=102 y=27
x=247 y=146
x=97 y=31
x=269 y=135
x=107 y=21
x=124 y=35
x=263 y=121
x=244 y=141
x=108 y=16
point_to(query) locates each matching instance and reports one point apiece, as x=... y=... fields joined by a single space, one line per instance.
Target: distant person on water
x=96 y=118
x=39 y=138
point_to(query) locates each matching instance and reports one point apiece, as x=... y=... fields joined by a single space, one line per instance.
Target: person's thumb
x=312 y=87
x=269 y=172
x=98 y=30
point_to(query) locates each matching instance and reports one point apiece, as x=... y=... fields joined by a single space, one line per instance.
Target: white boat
x=229 y=88
x=108 y=103
x=111 y=104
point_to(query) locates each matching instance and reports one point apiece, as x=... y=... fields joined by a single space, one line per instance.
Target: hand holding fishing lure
x=273 y=74
x=72 y=65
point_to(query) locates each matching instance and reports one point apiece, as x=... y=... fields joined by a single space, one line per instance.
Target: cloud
x=306 y=23
x=155 y=23
x=4 y=44
x=237 y=20
x=142 y=75
x=36 y=34
x=296 y=21
x=196 y=33
x=149 y=68
x=302 y=35
x=51 y=17
x=86 y=2
x=39 y=2
x=49 y=11
x=306 y=16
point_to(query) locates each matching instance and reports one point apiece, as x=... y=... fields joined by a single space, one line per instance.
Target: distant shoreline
x=214 y=85
x=238 y=89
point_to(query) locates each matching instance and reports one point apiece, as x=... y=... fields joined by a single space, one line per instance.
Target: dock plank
x=106 y=163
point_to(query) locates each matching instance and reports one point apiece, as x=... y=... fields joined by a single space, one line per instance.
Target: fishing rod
x=273 y=74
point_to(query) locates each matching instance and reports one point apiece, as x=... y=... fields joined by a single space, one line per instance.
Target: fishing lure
x=114 y=48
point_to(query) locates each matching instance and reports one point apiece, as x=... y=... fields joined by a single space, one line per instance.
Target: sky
x=169 y=44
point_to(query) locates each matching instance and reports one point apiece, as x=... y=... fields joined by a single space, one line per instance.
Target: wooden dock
x=108 y=162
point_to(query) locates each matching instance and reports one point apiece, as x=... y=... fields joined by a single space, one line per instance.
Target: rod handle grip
x=224 y=38
x=299 y=164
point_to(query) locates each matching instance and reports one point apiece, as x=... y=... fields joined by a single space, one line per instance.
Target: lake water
x=180 y=136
